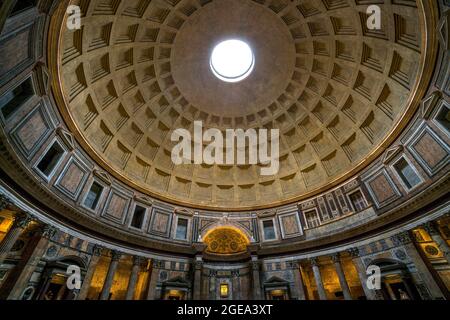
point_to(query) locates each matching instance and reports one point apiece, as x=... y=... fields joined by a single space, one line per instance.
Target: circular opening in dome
x=232 y=60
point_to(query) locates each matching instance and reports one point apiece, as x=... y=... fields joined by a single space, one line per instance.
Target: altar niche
x=223 y=284
x=276 y=289
x=396 y=280
x=53 y=285
x=176 y=289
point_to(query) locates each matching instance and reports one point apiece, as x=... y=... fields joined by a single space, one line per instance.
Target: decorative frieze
x=115 y=255
x=4 y=202
x=431 y=228
x=354 y=252
x=401 y=238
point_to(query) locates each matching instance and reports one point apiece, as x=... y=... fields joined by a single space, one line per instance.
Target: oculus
x=232 y=60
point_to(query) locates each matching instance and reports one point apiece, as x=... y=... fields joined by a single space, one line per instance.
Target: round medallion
x=431 y=250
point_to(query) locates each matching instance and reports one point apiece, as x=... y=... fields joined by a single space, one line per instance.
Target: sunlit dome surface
x=232 y=61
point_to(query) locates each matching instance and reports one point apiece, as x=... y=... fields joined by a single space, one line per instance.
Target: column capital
x=402 y=238
x=198 y=264
x=336 y=257
x=97 y=250
x=5 y=202
x=138 y=260
x=354 y=252
x=212 y=273
x=157 y=264
x=199 y=247
x=314 y=261
x=291 y=265
x=253 y=248
x=46 y=231
x=255 y=265
x=115 y=255
x=294 y=265
x=431 y=228
x=22 y=220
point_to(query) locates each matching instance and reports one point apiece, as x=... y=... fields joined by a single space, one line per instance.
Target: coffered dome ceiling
x=338 y=92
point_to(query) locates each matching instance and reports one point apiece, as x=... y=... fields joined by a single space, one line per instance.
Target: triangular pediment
x=391 y=153
x=103 y=176
x=177 y=282
x=143 y=199
x=183 y=211
x=67 y=138
x=429 y=103
x=444 y=30
x=275 y=280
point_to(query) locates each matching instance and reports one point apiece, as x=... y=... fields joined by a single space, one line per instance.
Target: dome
x=337 y=91
x=224 y=149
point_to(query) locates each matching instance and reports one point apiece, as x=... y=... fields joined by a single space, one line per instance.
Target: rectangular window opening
x=138 y=217
x=269 y=230
x=21 y=6
x=182 y=227
x=51 y=158
x=406 y=172
x=443 y=117
x=11 y=101
x=93 y=196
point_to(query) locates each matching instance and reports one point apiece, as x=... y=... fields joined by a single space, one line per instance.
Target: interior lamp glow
x=232 y=60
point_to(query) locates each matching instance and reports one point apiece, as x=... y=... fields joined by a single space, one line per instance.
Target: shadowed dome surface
x=338 y=92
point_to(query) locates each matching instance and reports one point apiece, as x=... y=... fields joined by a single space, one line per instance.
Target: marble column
x=362 y=274
x=318 y=278
x=156 y=266
x=95 y=258
x=235 y=274
x=28 y=265
x=137 y=262
x=255 y=265
x=198 y=269
x=340 y=272
x=299 y=286
x=115 y=257
x=406 y=240
x=212 y=284
x=21 y=221
x=432 y=229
